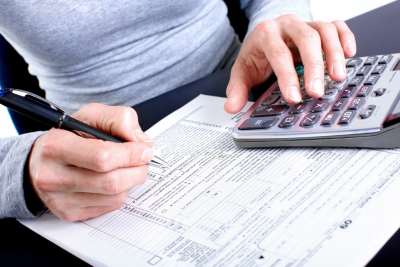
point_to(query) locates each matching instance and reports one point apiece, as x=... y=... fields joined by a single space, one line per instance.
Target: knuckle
x=266 y=27
x=279 y=52
x=112 y=184
x=101 y=158
x=289 y=17
x=334 y=50
x=119 y=199
x=41 y=183
x=309 y=34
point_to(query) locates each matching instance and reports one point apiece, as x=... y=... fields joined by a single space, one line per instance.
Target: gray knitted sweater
x=117 y=53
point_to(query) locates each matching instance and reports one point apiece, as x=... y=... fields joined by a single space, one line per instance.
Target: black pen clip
x=42 y=100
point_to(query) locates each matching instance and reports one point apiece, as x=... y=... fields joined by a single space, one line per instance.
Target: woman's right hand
x=79 y=178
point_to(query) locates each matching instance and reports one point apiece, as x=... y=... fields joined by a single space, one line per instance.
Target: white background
x=326 y=10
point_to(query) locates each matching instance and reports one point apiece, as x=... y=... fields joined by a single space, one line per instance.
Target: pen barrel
x=32 y=109
x=74 y=125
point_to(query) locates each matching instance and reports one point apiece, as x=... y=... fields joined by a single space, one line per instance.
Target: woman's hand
x=276 y=45
x=79 y=178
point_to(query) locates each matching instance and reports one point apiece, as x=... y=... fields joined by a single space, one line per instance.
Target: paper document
x=219 y=205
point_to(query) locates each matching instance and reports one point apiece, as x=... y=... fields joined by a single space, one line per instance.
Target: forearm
x=260 y=10
x=14 y=153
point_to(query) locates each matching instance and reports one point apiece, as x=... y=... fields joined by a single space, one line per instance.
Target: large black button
x=319 y=106
x=309 y=120
x=363 y=70
x=299 y=108
x=258 y=123
x=288 y=121
x=372 y=79
x=348 y=92
x=269 y=100
x=356 y=81
x=371 y=60
x=354 y=62
x=330 y=118
x=364 y=91
x=385 y=59
x=347 y=117
x=269 y=110
x=339 y=105
x=378 y=69
x=356 y=103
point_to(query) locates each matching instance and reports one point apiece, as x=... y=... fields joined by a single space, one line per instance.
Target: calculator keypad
x=340 y=104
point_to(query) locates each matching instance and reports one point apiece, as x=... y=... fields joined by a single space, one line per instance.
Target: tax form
x=219 y=205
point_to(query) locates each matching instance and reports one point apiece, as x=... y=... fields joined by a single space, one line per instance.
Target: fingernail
x=142 y=137
x=294 y=94
x=317 y=86
x=147 y=155
x=338 y=68
x=350 y=46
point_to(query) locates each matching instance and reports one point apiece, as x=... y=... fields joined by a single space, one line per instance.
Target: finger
x=250 y=69
x=333 y=50
x=118 y=121
x=347 y=38
x=83 y=213
x=74 y=201
x=281 y=60
x=97 y=155
x=309 y=43
x=77 y=180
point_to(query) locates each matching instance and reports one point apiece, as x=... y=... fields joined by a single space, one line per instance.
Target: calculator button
x=372 y=79
x=356 y=103
x=371 y=60
x=288 y=121
x=309 y=120
x=330 y=94
x=258 y=123
x=367 y=112
x=354 y=62
x=378 y=69
x=299 y=108
x=348 y=92
x=299 y=69
x=269 y=110
x=306 y=98
x=276 y=91
x=364 y=90
x=337 y=85
x=385 y=59
x=356 y=81
x=347 y=117
x=339 y=105
x=363 y=70
x=330 y=118
x=349 y=72
x=319 y=106
x=379 y=91
x=269 y=100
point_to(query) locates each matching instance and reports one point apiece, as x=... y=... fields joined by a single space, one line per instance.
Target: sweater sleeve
x=259 y=10
x=14 y=153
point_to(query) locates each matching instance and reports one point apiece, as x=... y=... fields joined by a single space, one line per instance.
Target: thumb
x=118 y=121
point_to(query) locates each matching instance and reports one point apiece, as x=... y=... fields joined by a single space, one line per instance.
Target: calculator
x=361 y=111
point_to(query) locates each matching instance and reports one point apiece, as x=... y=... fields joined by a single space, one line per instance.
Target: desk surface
x=376 y=33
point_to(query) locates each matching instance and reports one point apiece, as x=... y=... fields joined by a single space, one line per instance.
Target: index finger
x=95 y=154
x=308 y=42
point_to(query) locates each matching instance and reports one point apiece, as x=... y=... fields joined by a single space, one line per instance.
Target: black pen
x=42 y=110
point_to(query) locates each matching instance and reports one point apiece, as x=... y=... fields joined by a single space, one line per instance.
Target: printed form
x=219 y=205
